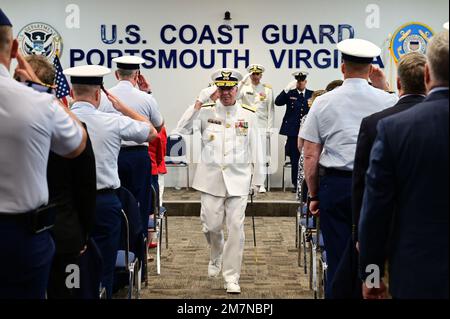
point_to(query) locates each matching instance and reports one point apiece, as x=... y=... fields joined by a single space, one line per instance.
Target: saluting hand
x=143 y=84
x=378 y=78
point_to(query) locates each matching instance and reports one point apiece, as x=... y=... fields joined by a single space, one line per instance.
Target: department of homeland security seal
x=40 y=39
x=411 y=37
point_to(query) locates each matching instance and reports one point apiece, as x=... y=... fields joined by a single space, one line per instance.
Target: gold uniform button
x=228 y=125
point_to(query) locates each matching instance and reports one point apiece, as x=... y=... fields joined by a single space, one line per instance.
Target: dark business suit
x=406 y=201
x=367 y=135
x=296 y=108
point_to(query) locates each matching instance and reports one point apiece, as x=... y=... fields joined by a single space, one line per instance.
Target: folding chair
x=176 y=154
x=316 y=246
x=130 y=258
x=287 y=165
x=157 y=224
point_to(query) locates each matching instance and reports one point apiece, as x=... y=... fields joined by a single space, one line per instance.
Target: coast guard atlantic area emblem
x=411 y=37
x=40 y=39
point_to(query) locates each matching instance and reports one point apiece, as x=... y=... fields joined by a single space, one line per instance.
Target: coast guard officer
x=260 y=97
x=32 y=124
x=134 y=160
x=330 y=133
x=230 y=154
x=295 y=97
x=107 y=131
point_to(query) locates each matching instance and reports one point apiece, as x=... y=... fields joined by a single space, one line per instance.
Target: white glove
x=290 y=86
x=245 y=79
x=205 y=94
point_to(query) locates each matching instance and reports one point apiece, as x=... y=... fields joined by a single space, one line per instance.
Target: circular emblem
x=411 y=37
x=40 y=39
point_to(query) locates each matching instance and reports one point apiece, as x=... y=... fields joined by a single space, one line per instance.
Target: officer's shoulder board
x=208 y=105
x=268 y=86
x=249 y=108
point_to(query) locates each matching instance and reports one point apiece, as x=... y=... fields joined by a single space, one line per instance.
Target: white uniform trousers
x=214 y=211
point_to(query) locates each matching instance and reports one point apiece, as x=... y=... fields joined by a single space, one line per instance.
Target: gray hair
x=126 y=74
x=437 y=57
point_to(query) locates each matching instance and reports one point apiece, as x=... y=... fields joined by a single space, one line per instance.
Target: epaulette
x=249 y=108
x=208 y=105
x=268 y=86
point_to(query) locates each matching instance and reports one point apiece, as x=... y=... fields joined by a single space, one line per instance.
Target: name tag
x=249 y=93
x=214 y=121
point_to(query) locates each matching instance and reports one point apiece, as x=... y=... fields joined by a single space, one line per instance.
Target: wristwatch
x=313 y=199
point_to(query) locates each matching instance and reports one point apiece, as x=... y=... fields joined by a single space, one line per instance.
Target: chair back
x=176 y=146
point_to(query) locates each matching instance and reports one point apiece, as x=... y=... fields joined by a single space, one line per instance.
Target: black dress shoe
x=294 y=190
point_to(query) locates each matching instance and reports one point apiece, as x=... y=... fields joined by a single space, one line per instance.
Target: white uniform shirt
x=31 y=124
x=141 y=102
x=335 y=119
x=231 y=149
x=261 y=98
x=107 y=131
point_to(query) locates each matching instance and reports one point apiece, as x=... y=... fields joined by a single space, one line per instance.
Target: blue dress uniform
x=107 y=132
x=334 y=123
x=134 y=161
x=296 y=108
x=32 y=124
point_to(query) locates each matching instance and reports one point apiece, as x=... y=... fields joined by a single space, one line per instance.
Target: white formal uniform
x=261 y=98
x=230 y=154
x=32 y=124
x=335 y=119
x=107 y=131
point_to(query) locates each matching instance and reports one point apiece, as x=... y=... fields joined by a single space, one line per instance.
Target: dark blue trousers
x=294 y=155
x=335 y=220
x=135 y=168
x=106 y=234
x=25 y=261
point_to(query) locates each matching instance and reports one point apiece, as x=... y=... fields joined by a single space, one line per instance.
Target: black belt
x=134 y=148
x=324 y=171
x=37 y=220
x=106 y=191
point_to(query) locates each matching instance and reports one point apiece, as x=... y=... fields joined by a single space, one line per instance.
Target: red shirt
x=157 y=151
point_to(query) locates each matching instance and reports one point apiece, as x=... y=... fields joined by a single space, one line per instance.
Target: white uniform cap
x=446 y=26
x=358 y=51
x=256 y=68
x=226 y=77
x=129 y=62
x=300 y=75
x=87 y=74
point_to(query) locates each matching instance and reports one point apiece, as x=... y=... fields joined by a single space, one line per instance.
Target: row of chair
x=131 y=263
x=309 y=239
